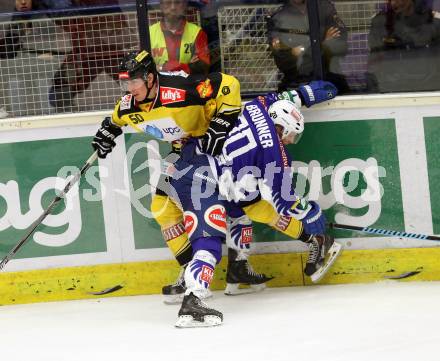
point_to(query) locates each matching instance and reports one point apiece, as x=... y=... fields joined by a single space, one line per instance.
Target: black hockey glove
x=104 y=140
x=215 y=136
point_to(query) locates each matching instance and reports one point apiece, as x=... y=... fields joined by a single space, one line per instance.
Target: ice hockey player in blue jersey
x=239 y=236
x=251 y=176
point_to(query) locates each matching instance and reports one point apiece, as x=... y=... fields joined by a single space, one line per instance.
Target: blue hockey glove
x=314 y=221
x=317 y=91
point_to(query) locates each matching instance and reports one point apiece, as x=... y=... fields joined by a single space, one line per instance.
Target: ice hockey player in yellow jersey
x=172 y=107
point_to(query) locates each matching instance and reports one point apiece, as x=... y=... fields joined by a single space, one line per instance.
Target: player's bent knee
x=170 y=219
x=165 y=211
x=261 y=211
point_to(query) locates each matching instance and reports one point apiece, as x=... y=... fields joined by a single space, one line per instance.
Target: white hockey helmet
x=287 y=115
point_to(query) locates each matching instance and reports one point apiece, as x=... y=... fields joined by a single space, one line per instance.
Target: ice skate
x=323 y=251
x=174 y=293
x=240 y=272
x=195 y=313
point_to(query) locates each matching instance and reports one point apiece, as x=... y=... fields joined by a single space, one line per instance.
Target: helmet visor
x=128 y=85
x=291 y=138
x=297 y=138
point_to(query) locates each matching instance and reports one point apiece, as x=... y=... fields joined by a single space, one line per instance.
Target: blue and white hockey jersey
x=255 y=162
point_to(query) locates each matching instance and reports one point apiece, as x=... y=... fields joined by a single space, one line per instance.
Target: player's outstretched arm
x=317 y=91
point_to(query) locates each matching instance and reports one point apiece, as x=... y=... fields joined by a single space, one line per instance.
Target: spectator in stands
x=404 y=42
x=289 y=40
x=10 y=44
x=23 y=5
x=98 y=45
x=177 y=44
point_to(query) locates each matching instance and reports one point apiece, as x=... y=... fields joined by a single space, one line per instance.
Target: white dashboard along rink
x=386 y=321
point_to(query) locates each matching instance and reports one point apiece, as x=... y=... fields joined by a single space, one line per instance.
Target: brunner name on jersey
x=263 y=130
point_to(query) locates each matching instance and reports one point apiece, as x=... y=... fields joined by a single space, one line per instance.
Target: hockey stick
x=385 y=232
x=40 y=219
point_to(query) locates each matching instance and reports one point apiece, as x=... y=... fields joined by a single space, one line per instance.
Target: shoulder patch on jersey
x=226 y=90
x=205 y=88
x=126 y=102
x=172 y=95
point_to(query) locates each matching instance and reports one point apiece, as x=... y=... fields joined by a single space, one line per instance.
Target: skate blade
x=333 y=253
x=173 y=299
x=189 y=322
x=233 y=289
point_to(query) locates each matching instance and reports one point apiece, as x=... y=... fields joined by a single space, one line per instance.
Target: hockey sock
x=199 y=273
x=239 y=235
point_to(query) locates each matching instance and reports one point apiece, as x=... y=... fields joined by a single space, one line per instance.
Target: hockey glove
x=215 y=136
x=176 y=145
x=291 y=95
x=317 y=91
x=104 y=140
x=314 y=221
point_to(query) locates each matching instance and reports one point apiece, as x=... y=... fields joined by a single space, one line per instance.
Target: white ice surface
x=375 y=322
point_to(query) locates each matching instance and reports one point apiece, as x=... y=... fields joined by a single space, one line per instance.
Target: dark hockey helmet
x=136 y=64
